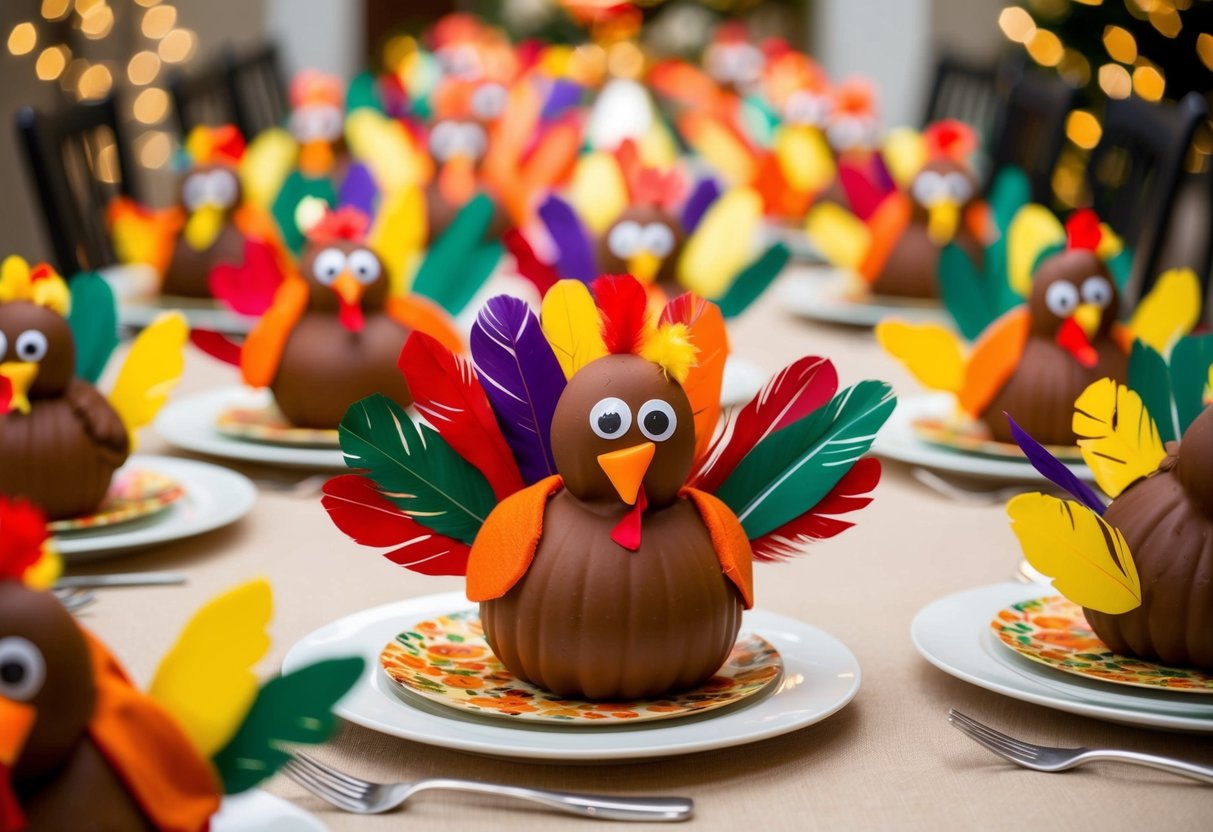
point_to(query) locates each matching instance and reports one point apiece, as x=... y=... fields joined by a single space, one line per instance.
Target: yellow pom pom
x=41 y=285
x=671 y=349
x=44 y=571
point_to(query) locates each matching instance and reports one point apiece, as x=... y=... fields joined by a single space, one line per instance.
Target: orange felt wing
x=887 y=223
x=506 y=543
x=1122 y=336
x=549 y=163
x=994 y=358
x=732 y=545
x=175 y=787
x=703 y=382
x=423 y=315
x=508 y=138
x=264 y=345
x=980 y=222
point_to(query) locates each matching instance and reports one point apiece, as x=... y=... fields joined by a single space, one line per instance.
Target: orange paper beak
x=626 y=469
x=457 y=180
x=349 y=292
x=16 y=722
x=316 y=158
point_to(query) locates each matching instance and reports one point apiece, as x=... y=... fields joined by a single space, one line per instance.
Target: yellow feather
x=1088 y=560
x=267 y=162
x=14 y=279
x=905 y=153
x=720 y=247
x=598 y=192
x=804 y=157
x=1033 y=229
x=206 y=681
x=841 y=237
x=657 y=147
x=572 y=325
x=386 y=147
x=45 y=570
x=932 y=353
x=398 y=236
x=150 y=372
x=1110 y=243
x=1118 y=439
x=723 y=152
x=1169 y=311
x=671 y=349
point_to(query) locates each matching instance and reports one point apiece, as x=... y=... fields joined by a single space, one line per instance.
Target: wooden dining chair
x=965 y=91
x=1031 y=126
x=203 y=96
x=1134 y=172
x=258 y=89
x=78 y=162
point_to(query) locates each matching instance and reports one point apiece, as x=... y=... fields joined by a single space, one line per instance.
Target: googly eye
x=624 y=239
x=222 y=188
x=610 y=418
x=488 y=101
x=3 y=345
x=195 y=191
x=957 y=187
x=748 y=64
x=329 y=124
x=303 y=125
x=1097 y=290
x=928 y=188
x=473 y=141
x=444 y=139
x=844 y=133
x=1062 y=299
x=365 y=266
x=328 y=265
x=31 y=346
x=22 y=669
x=657 y=239
x=657 y=420
x=806 y=108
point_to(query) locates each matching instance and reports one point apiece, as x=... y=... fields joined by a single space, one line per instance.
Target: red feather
x=1083 y=231
x=248 y=288
x=22 y=533
x=623 y=303
x=368 y=518
x=850 y=494
x=448 y=394
x=542 y=274
x=795 y=392
x=216 y=345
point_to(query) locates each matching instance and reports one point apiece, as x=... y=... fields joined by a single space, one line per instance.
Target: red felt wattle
x=623 y=303
x=1083 y=231
x=350 y=316
x=1073 y=340
x=527 y=262
x=370 y=519
x=627 y=531
x=248 y=288
x=6 y=395
x=11 y=815
x=22 y=533
x=850 y=494
x=793 y=393
x=216 y=345
x=448 y=394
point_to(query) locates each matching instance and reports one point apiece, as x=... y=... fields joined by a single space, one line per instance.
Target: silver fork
x=1047 y=758
x=75 y=600
x=366 y=798
x=964 y=494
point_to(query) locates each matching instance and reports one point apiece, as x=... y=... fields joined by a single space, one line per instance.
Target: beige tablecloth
x=887 y=761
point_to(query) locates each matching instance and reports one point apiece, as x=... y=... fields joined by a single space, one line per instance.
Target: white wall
x=318 y=34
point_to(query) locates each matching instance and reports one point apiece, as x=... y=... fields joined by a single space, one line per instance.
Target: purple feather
x=359 y=189
x=574 y=251
x=706 y=192
x=522 y=378
x=1054 y=470
x=562 y=96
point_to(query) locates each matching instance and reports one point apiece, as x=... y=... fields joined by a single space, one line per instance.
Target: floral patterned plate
x=1054 y=632
x=134 y=494
x=972 y=437
x=266 y=424
x=446 y=660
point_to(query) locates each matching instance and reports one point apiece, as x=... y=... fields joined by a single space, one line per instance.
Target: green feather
x=1009 y=192
x=1121 y=268
x=363 y=92
x=1190 y=362
x=790 y=471
x=758 y=120
x=964 y=293
x=295 y=190
x=296 y=708
x=753 y=281
x=94 y=323
x=459 y=262
x=1045 y=254
x=1148 y=378
x=415 y=468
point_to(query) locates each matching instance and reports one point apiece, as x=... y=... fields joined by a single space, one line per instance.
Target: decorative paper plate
x=1053 y=632
x=447 y=660
x=134 y=494
x=973 y=437
x=267 y=424
x=829 y=295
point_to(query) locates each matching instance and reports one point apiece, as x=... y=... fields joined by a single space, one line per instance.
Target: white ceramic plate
x=823 y=294
x=214 y=497
x=189 y=423
x=258 y=811
x=820 y=677
x=897 y=440
x=954 y=634
x=742 y=381
x=139 y=303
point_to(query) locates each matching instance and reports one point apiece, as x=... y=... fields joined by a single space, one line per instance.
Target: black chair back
x=1134 y=173
x=246 y=90
x=202 y=97
x=1032 y=127
x=964 y=91
x=79 y=162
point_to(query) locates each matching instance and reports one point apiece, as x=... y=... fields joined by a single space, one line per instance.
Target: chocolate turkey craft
x=79 y=741
x=1033 y=361
x=573 y=476
x=60 y=439
x=1140 y=566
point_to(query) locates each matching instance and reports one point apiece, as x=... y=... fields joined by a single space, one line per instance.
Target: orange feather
x=549 y=163
x=711 y=340
x=264 y=345
x=994 y=358
x=423 y=315
x=887 y=223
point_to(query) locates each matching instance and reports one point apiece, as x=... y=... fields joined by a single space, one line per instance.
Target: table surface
x=887 y=761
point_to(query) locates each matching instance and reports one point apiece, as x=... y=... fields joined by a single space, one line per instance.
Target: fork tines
x=996 y=741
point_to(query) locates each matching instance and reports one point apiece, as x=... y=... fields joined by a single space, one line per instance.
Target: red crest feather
x=346 y=224
x=623 y=303
x=22 y=533
x=1083 y=231
x=950 y=139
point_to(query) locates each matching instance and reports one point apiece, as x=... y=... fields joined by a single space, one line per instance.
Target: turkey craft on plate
x=1034 y=360
x=80 y=740
x=60 y=439
x=576 y=475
